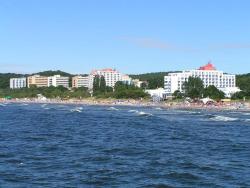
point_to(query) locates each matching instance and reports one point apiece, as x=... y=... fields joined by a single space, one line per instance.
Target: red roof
x=103 y=70
x=208 y=66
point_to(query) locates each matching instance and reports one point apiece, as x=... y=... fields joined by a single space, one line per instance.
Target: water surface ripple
x=98 y=146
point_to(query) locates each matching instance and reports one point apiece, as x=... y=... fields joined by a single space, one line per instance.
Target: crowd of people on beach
x=231 y=105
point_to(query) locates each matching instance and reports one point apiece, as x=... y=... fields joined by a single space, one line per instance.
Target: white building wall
x=174 y=81
x=16 y=83
x=58 y=80
x=111 y=77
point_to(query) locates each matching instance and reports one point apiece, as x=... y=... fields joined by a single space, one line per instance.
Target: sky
x=132 y=36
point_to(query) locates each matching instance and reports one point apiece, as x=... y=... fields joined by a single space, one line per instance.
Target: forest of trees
x=49 y=92
x=194 y=89
x=155 y=80
x=5 y=77
x=243 y=82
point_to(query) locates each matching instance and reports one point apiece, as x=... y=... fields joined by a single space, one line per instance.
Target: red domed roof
x=208 y=66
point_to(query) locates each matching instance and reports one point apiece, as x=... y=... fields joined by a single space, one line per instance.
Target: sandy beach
x=131 y=102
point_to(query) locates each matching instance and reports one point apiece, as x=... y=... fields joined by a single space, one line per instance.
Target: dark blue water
x=88 y=146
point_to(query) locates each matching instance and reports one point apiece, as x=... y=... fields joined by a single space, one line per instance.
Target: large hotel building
x=111 y=77
x=16 y=83
x=44 y=81
x=80 y=81
x=37 y=80
x=58 y=80
x=208 y=74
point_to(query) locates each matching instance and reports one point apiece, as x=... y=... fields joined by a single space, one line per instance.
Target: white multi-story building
x=16 y=83
x=126 y=79
x=111 y=77
x=58 y=80
x=80 y=81
x=208 y=74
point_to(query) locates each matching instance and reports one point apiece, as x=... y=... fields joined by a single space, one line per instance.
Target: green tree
x=102 y=84
x=96 y=84
x=240 y=95
x=213 y=93
x=177 y=94
x=193 y=88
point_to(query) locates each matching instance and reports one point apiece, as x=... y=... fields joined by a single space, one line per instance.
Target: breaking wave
x=223 y=118
x=141 y=113
x=113 y=108
x=78 y=109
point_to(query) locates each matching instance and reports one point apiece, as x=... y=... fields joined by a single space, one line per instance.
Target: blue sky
x=133 y=36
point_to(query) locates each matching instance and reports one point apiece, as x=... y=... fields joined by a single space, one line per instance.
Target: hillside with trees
x=155 y=80
x=5 y=79
x=243 y=82
x=52 y=73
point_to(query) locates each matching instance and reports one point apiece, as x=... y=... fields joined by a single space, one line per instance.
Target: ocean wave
x=246 y=114
x=78 y=109
x=43 y=105
x=188 y=112
x=113 y=108
x=223 y=118
x=24 y=104
x=133 y=111
x=158 y=108
x=141 y=113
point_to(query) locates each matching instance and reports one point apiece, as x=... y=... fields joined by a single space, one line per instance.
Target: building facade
x=208 y=74
x=37 y=80
x=111 y=77
x=80 y=81
x=58 y=80
x=16 y=83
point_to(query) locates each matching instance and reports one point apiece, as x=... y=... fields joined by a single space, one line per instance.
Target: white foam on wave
x=24 y=104
x=158 y=108
x=223 y=118
x=113 y=108
x=43 y=105
x=78 y=109
x=141 y=113
x=2 y=104
x=133 y=111
x=246 y=114
x=188 y=112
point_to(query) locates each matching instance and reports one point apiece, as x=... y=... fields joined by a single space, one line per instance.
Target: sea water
x=98 y=146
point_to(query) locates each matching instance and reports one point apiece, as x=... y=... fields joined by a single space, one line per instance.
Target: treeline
x=243 y=82
x=194 y=89
x=5 y=77
x=155 y=80
x=120 y=91
x=100 y=90
x=52 y=73
x=48 y=92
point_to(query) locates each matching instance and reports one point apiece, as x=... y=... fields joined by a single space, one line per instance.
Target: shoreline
x=242 y=106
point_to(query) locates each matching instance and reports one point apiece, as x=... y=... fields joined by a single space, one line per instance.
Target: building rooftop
x=208 y=66
x=104 y=70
